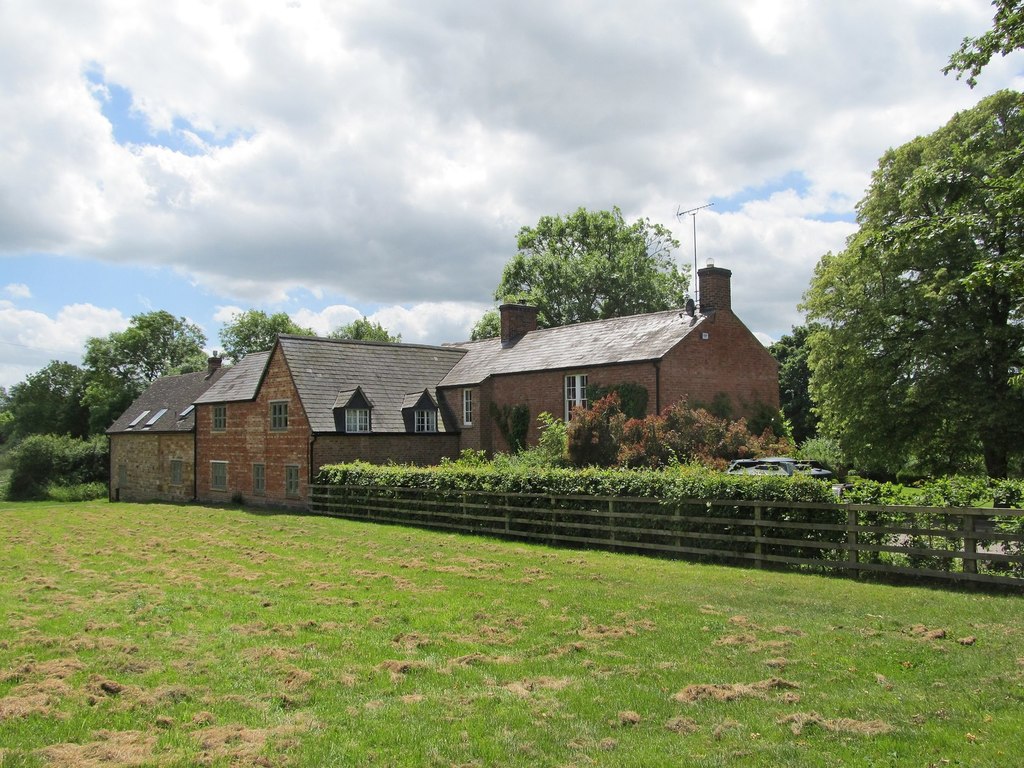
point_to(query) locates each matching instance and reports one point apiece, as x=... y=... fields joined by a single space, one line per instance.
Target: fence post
x=611 y=518
x=675 y=525
x=851 y=541
x=553 y=520
x=758 y=562
x=970 y=546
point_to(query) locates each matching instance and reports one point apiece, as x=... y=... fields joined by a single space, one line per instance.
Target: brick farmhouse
x=262 y=429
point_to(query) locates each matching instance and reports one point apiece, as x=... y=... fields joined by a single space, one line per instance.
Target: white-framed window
x=177 y=470
x=259 y=479
x=425 y=420
x=357 y=419
x=291 y=480
x=467 y=407
x=575 y=392
x=220 y=418
x=279 y=415
x=219 y=475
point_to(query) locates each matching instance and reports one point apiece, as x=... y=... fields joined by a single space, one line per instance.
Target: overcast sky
x=365 y=157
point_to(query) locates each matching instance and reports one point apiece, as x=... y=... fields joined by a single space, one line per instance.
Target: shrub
x=80 y=492
x=683 y=434
x=593 y=433
x=553 y=445
x=42 y=462
x=632 y=397
x=827 y=451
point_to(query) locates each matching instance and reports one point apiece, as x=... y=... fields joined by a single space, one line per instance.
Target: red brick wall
x=248 y=439
x=380 y=449
x=475 y=436
x=539 y=391
x=729 y=361
x=146 y=459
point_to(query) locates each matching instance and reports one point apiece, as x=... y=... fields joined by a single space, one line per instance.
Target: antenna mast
x=693 y=214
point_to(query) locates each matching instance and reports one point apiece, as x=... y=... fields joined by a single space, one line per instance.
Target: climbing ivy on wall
x=513 y=422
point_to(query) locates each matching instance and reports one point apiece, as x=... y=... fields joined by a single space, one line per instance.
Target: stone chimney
x=213 y=364
x=516 y=321
x=715 y=288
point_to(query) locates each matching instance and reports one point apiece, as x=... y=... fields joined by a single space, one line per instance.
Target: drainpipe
x=309 y=482
x=110 y=469
x=657 y=387
x=195 y=455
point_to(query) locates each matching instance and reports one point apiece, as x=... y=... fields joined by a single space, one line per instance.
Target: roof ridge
x=362 y=342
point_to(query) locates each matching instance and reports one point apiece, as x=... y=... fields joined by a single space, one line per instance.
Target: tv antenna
x=693 y=215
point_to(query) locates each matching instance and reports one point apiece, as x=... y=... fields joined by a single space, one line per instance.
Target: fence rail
x=967 y=545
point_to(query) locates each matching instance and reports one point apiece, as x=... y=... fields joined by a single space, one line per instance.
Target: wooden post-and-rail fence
x=958 y=544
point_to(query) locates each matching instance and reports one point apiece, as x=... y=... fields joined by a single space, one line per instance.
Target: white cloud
x=34 y=338
x=388 y=153
x=18 y=291
x=328 y=319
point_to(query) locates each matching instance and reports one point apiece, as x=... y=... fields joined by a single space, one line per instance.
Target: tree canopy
x=365 y=330
x=919 y=320
x=1006 y=36
x=49 y=401
x=124 y=363
x=794 y=377
x=591 y=265
x=256 y=331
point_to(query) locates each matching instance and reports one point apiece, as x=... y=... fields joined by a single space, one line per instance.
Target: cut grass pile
x=140 y=635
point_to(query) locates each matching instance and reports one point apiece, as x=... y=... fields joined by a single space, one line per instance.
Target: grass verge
x=142 y=635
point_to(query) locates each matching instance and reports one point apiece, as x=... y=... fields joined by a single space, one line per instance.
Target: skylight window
x=186 y=412
x=139 y=418
x=156 y=417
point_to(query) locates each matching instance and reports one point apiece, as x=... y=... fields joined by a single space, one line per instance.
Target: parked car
x=757 y=467
x=779 y=465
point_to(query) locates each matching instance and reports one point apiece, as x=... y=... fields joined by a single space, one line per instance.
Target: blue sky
x=337 y=160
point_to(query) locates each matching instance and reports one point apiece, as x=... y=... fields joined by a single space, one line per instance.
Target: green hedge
x=42 y=462
x=954 y=491
x=677 y=483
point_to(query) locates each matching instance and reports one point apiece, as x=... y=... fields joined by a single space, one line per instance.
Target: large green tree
x=49 y=402
x=791 y=353
x=920 y=317
x=124 y=363
x=592 y=265
x=1006 y=36
x=256 y=331
x=364 y=329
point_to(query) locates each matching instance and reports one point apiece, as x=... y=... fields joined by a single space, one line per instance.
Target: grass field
x=142 y=635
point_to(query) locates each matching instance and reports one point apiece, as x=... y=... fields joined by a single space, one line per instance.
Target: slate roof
x=630 y=339
x=322 y=369
x=240 y=383
x=160 y=407
x=327 y=372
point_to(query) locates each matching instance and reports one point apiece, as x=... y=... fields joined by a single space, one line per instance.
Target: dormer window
x=420 y=413
x=426 y=420
x=352 y=410
x=357 y=420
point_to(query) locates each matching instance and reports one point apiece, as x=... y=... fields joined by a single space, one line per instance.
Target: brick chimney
x=715 y=288
x=213 y=364
x=516 y=321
